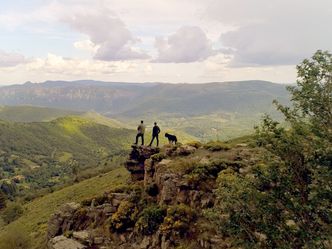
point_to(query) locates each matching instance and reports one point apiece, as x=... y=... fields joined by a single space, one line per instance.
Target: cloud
x=11 y=59
x=58 y=65
x=273 y=32
x=188 y=44
x=86 y=45
x=105 y=31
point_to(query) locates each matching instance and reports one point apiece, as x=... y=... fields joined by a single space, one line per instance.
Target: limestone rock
x=137 y=157
x=58 y=222
x=61 y=242
x=82 y=236
x=185 y=150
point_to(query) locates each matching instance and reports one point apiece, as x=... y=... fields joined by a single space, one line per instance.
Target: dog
x=171 y=138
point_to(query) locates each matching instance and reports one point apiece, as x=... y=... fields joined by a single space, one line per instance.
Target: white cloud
x=258 y=39
x=188 y=44
x=105 y=31
x=54 y=64
x=11 y=59
x=86 y=45
x=273 y=32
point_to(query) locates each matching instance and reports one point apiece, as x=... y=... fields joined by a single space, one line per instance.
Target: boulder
x=185 y=150
x=59 y=222
x=82 y=236
x=61 y=242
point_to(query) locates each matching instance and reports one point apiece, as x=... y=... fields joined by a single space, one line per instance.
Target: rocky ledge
x=136 y=160
x=161 y=208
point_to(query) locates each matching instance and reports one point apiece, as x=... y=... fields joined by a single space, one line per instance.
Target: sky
x=176 y=41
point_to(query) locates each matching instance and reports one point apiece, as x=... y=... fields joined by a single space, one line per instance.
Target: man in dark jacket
x=155 y=133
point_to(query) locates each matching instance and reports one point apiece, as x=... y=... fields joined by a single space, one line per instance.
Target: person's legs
x=157 y=137
x=142 y=135
x=151 y=140
x=137 y=138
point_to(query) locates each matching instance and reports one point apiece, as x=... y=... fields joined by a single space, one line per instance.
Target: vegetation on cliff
x=287 y=201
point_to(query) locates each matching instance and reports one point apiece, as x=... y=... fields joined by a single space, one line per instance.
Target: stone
x=204 y=161
x=108 y=209
x=241 y=145
x=260 y=236
x=165 y=243
x=98 y=240
x=117 y=198
x=82 y=236
x=123 y=238
x=61 y=242
x=185 y=150
x=135 y=163
x=58 y=221
x=145 y=244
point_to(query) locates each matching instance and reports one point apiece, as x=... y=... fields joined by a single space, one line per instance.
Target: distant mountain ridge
x=137 y=99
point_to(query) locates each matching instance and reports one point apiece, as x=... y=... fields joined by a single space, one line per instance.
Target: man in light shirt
x=140 y=132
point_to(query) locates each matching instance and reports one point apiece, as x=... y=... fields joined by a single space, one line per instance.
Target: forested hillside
x=132 y=100
x=45 y=154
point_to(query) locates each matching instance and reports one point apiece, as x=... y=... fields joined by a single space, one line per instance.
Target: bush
x=158 y=157
x=13 y=211
x=178 y=219
x=216 y=146
x=150 y=220
x=124 y=217
x=183 y=165
x=287 y=201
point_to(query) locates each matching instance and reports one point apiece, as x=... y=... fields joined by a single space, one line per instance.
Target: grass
x=37 y=213
x=32 y=113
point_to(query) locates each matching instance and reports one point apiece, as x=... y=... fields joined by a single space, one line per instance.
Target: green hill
x=135 y=100
x=52 y=153
x=220 y=110
x=32 y=113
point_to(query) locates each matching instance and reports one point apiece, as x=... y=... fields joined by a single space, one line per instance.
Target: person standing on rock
x=155 y=134
x=140 y=132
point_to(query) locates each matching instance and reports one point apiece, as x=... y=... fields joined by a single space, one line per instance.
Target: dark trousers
x=155 y=137
x=140 y=135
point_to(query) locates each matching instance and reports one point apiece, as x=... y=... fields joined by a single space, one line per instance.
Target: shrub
x=178 y=219
x=216 y=146
x=124 y=217
x=287 y=202
x=13 y=211
x=150 y=219
x=158 y=157
x=183 y=165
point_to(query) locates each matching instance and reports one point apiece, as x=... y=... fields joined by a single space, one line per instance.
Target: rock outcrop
x=137 y=157
x=160 y=209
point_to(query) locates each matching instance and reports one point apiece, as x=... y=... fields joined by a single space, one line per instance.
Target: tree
x=289 y=201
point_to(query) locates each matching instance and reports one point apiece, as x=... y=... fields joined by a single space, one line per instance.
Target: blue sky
x=159 y=40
